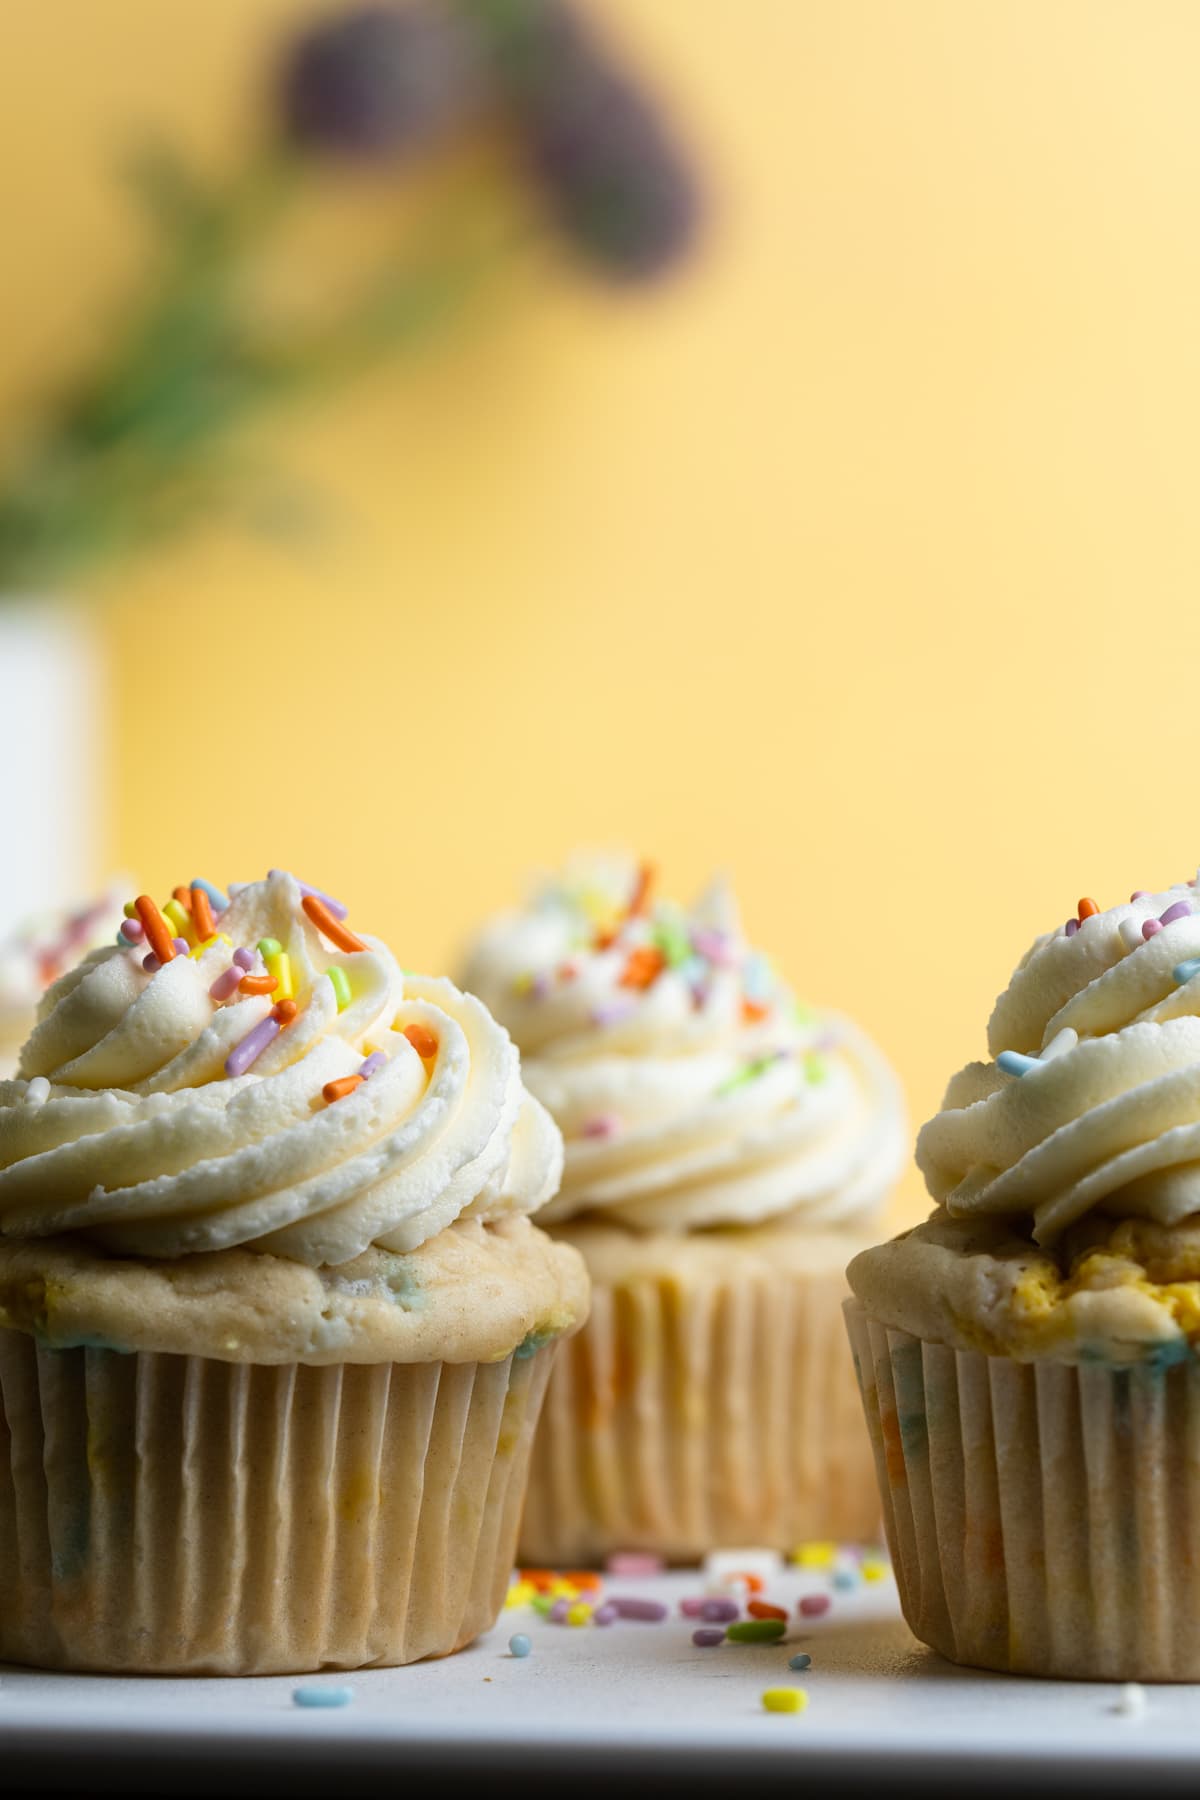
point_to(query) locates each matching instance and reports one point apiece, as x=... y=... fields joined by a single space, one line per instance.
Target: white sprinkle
x=1130 y=1702
x=1065 y=1040
x=38 y=1091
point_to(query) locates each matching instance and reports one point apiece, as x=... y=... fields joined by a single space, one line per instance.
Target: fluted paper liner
x=1043 y=1518
x=692 y=1412
x=179 y=1515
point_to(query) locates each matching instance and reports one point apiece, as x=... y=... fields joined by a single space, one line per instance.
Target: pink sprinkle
x=714 y=946
x=615 y=1013
x=813 y=1605
x=651 y=1611
x=182 y=947
x=719 y=1612
x=1150 y=927
x=692 y=1608
x=558 y=1612
x=708 y=1636
x=377 y=1060
x=604 y=1614
x=1180 y=910
x=633 y=1562
x=1139 y=894
x=226 y=984
x=604 y=1125
x=133 y=931
x=244 y=960
x=251 y=1046
x=1072 y=927
x=151 y=964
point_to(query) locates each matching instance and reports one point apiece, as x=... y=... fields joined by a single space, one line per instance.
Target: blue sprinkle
x=800 y=1661
x=1183 y=972
x=844 y=1578
x=1013 y=1063
x=321 y=1696
x=519 y=1644
x=214 y=893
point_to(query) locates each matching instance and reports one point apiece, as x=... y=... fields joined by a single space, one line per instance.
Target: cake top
x=249 y=1070
x=692 y=1087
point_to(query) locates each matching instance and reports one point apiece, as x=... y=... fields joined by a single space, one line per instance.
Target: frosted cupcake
x=726 y=1152
x=275 y=1324
x=1028 y=1355
x=36 y=954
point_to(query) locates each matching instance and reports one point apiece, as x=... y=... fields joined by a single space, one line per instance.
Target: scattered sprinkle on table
x=651 y=1611
x=322 y=1696
x=706 y=1637
x=633 y=1562
x=755 y=1631
x=519 y=1645
x=813 y=1605
x=1130 y=1702
x=801 y=1660
x=784 y=1700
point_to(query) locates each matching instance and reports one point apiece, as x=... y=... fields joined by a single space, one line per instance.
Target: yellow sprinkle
x=520 y=1593
x=522 y=984
x=208 y=943
x=872 y=1570
x=817 y=1554
x=579 y=1614
x=280 y=966
x=130 y=910
x=562 y=1589
x=181 y=920
x=785 y=1699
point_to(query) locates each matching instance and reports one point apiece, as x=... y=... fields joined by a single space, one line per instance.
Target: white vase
x=52 y=756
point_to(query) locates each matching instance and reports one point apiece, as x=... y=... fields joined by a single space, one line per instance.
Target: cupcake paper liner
x=1043 y=1518
x=692 y=1412
x=166 y=1514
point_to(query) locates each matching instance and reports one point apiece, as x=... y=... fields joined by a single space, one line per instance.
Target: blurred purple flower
x=380 y=79
x=618 y=184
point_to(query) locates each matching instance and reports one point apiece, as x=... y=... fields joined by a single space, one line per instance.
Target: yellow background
x=860 y=560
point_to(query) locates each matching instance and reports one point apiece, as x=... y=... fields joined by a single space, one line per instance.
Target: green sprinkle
x=804 y=1015
x=756 y=1631
x=673 y=940
x=816 y=1069
x=341 y=986
x=541 y=1603
x=269 y=947
x=750 y=1072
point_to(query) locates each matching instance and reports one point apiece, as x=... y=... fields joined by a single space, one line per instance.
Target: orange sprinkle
x=1088 y=909
x=201 y=911
x=184 y=897
x=641 y=889
x=566 y=971
x=644 y=966
x=284 y=1011
x=332 y=928
x=337 y=1090
x=586 y=1580
x=604 y=940
x=257 y=984
x=753 y=1012
x=541 y=1579
x=751 y=1582
x=422 y=1040
x=158 y=932
x=762 y=1609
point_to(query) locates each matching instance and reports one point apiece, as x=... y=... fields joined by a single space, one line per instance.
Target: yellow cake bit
x=520 y=1593
x=785 y=1699
x=819 y=1553
x=579 y=1614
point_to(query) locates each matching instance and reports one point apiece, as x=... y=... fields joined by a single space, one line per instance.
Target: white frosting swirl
x=1108 y=1115
x=690 y=1087
x=124 y=1126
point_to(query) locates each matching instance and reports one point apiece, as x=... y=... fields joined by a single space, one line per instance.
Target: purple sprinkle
x=335 y=906
x=251 y=1046
x=604 y=1614
x=714 y=946
x=652 y=1611
x=692 y=1608
x=540 y=986
x=244 y=960
x=1180 y=910
x=133 y=931
x=615 y=1013
x=603 y=1125
x=377 y=1060
x=707 y=1636
x=151 y=964
x=1072 y=926
x=813 y=1605
x=1150 y=928
x=182 y=947
x=226 y=984
x=719 y=1612
x=558 y=1612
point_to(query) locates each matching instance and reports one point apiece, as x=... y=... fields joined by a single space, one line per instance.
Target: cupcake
x=1027 y=1356
x=37 y=952
x=727 y=1149
x=275 y=1323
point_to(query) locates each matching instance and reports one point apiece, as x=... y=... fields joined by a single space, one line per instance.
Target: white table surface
x=640 y=1695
